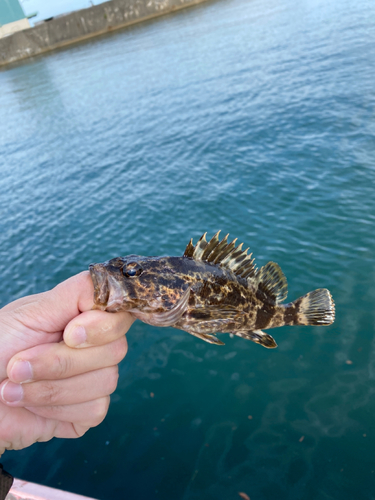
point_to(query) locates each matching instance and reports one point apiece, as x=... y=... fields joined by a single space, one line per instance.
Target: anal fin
x=258 y=337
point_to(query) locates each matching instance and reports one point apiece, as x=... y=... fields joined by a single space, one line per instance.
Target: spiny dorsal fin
x=189 y=250
x=272 y=282
x=199 y=248
x=224 y=254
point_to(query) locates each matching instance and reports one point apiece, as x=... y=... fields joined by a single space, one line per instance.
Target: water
x=255 y=117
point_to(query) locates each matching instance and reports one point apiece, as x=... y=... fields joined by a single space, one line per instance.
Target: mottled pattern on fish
x=214 y=287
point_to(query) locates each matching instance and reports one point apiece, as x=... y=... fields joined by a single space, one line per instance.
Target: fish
x=215 y=287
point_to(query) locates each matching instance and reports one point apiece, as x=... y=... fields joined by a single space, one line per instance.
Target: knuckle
x=61 y=365
x=106 y=327
x=49 y=393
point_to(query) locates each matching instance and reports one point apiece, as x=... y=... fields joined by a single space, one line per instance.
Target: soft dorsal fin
x=271 y=280
x=223 y=254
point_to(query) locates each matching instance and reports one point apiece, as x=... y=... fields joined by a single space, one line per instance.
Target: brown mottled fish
x=214 y=287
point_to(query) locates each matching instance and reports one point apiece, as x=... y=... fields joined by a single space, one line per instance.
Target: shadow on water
x=34 y=88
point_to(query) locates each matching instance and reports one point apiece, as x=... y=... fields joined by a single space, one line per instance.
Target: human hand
x=49 y=387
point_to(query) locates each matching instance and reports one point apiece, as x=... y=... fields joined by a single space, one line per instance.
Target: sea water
x=254 y=117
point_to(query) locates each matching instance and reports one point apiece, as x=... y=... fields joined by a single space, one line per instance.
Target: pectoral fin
x=258 y=337
x=205 y=329
x=167 y=318
x=211 y=339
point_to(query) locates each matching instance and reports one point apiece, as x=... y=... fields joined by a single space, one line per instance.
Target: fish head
x=139 y=284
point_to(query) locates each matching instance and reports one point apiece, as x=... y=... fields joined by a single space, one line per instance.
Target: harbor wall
x=83 y=24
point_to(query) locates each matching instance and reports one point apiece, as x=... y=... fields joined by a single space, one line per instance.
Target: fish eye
x=132 y=270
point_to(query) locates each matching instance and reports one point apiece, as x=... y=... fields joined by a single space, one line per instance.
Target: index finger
x=93 y=328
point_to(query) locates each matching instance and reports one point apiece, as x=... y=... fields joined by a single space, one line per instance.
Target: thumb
x=67 y=300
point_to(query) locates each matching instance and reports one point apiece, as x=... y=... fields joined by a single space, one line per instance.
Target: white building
x=12 y=17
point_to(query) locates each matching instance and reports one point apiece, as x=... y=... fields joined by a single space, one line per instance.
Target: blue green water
x=254 y=117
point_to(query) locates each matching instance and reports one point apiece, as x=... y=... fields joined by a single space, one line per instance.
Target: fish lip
x=99 y=278
x=117 y=298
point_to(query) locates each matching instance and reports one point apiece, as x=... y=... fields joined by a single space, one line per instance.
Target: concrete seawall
x=82 y=24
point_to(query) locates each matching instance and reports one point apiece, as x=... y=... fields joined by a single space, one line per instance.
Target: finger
x=58 y=306
x=9 y=348
x=58 y=361
x=97 y=328
x=78 y=389
x=89 y=414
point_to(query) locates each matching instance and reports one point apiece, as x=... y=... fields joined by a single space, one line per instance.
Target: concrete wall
x=83 y=24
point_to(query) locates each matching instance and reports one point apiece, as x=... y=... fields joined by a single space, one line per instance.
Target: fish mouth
x=99 y=278
x=109 y=295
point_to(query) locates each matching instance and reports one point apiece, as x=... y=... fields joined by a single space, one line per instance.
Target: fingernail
x=21 y=371
x=11 y=393
x=78 y=336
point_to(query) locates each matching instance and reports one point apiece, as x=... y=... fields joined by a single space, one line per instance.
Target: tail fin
x=315 y=308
